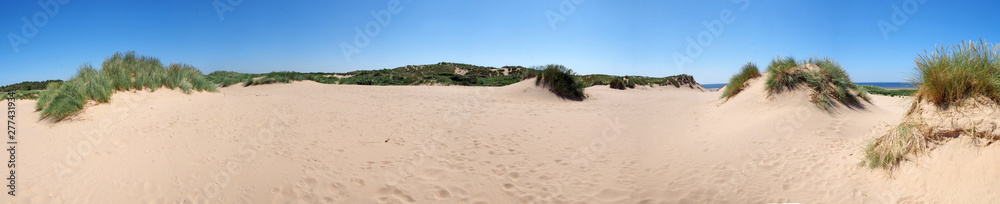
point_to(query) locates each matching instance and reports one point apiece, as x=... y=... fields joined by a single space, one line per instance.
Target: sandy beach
x=306 y=142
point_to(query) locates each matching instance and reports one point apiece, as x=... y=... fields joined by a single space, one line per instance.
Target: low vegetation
x=28 y=86
x=954 y=73
x=960 y=75
x=436 y=74
x=886 y=92
x=632 y=81
x=444 y=73
x=893 y=147
x=25 y=90
x=739 y=81
x=561 y=81
x=829 y=82
x=120 y=72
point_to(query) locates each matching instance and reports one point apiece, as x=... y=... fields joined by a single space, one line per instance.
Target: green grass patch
x=829 y=82
x=120 y=72
x=739 y=81
x=561 y=81
x=954 y=73
x=886 y=92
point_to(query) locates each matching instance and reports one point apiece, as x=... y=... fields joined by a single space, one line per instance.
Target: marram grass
x=561 y=81
x=739 y=81
x=950 y=76
x=830 y=82
x=120 y=72
x=954 y=73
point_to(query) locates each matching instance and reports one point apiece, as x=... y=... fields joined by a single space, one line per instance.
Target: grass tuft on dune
x=959 y=87
x=889 y=150
x=739 y=81
x=954 y=73
x=829 y=82
x=120 y=72
x=561 y=81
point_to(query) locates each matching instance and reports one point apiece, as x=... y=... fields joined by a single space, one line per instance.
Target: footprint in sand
x=358 y=181
x=392 y=194
x=612 y=194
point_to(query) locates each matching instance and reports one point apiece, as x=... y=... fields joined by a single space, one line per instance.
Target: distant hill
x=28 y=85
x=444 y=73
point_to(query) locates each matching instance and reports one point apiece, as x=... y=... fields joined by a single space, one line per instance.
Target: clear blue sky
x=611 y=37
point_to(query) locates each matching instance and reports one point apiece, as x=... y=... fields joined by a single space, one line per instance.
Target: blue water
x=712 y=86
x=888 y=85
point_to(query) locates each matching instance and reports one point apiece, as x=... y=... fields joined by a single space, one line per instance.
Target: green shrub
x=630 y=82
x=561 y=81
x=739 y=81
x=954 y=73
x=617 y=83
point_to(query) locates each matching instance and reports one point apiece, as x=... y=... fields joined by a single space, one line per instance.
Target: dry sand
x=306 y=142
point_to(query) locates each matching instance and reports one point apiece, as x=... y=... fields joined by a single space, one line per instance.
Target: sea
x=888 y=85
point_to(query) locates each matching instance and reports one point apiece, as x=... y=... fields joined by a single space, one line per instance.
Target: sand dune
x=306 y=142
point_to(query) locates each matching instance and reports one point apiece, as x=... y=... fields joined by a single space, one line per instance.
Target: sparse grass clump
x=739 y=81
x=561 y=81
x=889 y=150
x=954 y=73
x=120 y=72
x=830 y=83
